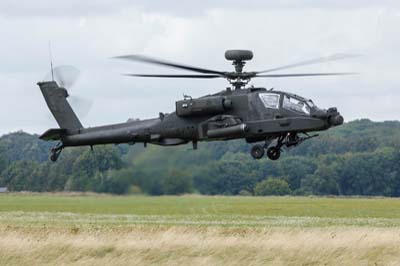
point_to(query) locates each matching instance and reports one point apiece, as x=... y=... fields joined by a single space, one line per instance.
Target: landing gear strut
x=274 y=152
x=56 y=151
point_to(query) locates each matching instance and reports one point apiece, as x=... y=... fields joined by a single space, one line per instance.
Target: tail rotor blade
x=65 y=76
x=81 y=106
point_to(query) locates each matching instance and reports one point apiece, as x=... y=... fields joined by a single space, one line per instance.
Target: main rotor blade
x=303 y=75
x=145 y=59
x=174 y=76
x=319 y=60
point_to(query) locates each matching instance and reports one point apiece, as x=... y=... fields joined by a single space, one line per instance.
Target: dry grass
x=182 y=245
x=38 y=229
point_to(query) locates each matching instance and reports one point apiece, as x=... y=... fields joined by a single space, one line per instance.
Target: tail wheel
x=274 y=153
x=257 y=151
x=53 y=157
x=56 y=151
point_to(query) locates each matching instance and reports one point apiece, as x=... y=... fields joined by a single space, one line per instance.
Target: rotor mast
x=238 y=57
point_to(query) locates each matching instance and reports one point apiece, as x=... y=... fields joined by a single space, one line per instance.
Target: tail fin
x=56 y=99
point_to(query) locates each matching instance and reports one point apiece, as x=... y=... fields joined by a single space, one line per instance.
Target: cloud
x=86 y=34
x=78 y=8
x=48 y=8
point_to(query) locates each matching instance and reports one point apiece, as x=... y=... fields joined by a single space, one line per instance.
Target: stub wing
x=53 y=134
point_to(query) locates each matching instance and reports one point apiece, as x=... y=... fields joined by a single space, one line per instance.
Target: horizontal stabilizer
x=53 y=134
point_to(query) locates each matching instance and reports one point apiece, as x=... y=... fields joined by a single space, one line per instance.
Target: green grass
x=189 y=205
x=33 y=209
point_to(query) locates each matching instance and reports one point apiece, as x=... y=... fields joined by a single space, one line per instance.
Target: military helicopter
x=276 y=118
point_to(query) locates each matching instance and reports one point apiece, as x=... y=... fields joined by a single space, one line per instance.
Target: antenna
x=51 y=61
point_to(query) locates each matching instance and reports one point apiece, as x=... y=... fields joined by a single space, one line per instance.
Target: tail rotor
x=66 y=77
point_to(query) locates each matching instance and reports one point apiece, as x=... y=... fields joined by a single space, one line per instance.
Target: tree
x=88 y=168
x=229 y=175
x=177 y=183
x=322 y=182
x=294 y=169
x=21 y=146
x=19 y=176
x=272 y=186
x=358 y=158
x=370 y=173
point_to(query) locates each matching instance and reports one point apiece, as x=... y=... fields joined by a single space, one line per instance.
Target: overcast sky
x=86 y=34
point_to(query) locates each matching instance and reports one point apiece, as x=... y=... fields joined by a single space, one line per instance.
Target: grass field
x=59 y=229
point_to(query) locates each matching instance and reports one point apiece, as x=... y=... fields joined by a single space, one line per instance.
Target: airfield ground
x=59 y=229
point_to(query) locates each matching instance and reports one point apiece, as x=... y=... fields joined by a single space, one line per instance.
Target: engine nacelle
x=203 y=106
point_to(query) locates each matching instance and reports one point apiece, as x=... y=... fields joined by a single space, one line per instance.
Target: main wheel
x=274 y=153
x=257 y=151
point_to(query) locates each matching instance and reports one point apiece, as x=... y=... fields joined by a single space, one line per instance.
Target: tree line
x=359 y=158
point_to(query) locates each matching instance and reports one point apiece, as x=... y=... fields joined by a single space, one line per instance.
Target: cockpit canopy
x=290 y=102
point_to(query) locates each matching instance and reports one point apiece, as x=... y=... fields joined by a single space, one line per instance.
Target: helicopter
x=276 y=119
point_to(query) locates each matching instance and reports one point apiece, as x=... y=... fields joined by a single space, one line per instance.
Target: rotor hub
x=238 y=79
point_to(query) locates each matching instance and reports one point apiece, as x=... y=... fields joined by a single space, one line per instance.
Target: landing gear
x=274 y=153
x=56 y=151
x=257 y=151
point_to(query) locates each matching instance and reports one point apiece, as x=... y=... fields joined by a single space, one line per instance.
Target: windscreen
x=270 y=100
x=294 y=104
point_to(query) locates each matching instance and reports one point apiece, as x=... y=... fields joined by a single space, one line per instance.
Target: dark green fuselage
x=247 y=116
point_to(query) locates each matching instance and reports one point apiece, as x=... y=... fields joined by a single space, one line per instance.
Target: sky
x=87 y=34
